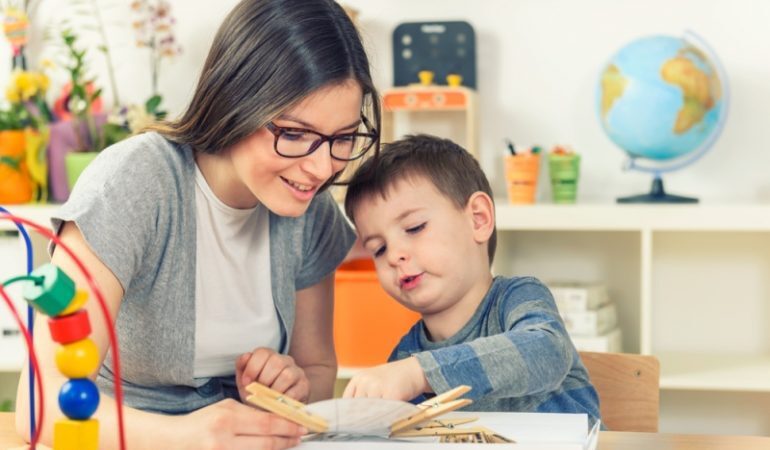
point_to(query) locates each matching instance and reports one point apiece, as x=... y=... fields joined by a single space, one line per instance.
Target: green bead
x=54 y=294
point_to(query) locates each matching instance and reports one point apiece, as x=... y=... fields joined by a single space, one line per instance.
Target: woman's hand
x=274 y=370
x=399 y=380
x=231 y=425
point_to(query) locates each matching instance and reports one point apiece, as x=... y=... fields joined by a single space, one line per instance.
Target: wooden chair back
x=629 y=389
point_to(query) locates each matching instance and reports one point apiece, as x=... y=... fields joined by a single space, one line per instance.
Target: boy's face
x=427 y=254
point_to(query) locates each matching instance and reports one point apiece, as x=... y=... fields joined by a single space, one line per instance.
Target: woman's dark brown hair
x=266 y=57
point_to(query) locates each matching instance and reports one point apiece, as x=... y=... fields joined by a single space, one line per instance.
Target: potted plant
x=76 y=108
x=23 y=136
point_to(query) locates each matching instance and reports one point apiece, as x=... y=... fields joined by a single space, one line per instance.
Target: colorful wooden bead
x=78 y=359
x=71 y=328
x=53 y=294
x=79 y=398
x=76 y=434
x=77 y=302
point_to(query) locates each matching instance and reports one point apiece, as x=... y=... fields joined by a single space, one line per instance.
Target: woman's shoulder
x=147 y=156
x=148 y=149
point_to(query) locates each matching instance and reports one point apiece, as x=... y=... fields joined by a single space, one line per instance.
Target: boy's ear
x=482 y=211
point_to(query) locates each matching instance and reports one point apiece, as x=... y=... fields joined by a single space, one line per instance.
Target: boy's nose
x=397 y=257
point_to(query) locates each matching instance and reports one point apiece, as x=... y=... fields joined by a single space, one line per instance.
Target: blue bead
x=79 y=398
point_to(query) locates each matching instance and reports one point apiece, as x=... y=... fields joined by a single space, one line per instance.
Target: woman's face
x=287 y=185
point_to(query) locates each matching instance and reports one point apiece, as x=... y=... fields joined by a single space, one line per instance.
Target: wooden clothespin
x=286 y=407
x=471 y=434
x=434 y=407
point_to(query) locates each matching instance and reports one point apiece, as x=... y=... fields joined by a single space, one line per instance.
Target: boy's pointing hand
x=398 y=380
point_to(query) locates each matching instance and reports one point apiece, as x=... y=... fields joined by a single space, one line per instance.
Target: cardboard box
x=610 y=342
x=575 y=297
x=592 y=322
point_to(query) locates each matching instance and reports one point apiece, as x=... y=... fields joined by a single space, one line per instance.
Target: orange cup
x=368 y=323
x=521 y=172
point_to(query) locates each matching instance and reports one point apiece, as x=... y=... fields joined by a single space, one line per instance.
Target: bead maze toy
x=50 y=292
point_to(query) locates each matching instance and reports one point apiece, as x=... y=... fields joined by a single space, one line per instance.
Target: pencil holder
x=565 y=172
x=521 y=173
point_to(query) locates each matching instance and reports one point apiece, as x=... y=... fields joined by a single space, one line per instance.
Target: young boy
x=423 y=209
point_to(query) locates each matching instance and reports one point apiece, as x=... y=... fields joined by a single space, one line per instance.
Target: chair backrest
x=629 y=389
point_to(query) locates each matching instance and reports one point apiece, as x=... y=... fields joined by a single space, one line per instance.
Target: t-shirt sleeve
x=115 y=207
x=327 y=239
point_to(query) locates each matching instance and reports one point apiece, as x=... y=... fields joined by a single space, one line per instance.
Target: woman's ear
x=482 y=212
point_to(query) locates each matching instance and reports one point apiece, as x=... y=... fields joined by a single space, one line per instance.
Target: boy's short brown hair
x=451 y=169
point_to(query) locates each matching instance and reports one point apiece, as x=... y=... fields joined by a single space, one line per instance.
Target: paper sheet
x=531 y=431
x=366 y=416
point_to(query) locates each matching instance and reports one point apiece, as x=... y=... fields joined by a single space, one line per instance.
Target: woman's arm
x=228 y=423
x=312 y=344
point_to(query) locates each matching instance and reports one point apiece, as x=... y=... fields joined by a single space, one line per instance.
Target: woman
x=214 y=241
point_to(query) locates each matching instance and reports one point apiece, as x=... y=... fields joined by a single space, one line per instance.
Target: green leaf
x=79 y=91
x=114 y=133
x=152 y=104
x=13 y=163
x=95 y=95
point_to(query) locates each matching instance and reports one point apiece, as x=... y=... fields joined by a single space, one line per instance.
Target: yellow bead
x=76 y=434
x=78 y=360
x=77 y=302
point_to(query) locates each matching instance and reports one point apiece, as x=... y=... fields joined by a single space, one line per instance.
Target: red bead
x=71 y=328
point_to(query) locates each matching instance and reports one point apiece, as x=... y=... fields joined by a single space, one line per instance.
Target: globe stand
x=657 y=195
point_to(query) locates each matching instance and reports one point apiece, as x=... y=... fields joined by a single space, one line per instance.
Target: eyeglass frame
x=278 y=131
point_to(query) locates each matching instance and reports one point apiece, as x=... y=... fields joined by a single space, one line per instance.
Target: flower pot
x=62 y=142
x=75 y=163
x=15 y=184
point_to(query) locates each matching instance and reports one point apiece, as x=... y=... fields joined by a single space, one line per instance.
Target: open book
x=375 y=417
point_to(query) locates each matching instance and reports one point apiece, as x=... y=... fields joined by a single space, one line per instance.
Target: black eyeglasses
x=299 y=142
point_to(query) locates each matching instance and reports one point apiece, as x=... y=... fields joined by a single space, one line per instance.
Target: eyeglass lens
x=299 y=143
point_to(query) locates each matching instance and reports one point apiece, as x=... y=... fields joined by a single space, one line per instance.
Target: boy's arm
x=534 y=354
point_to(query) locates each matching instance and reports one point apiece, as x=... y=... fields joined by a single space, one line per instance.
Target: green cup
x=565 y=172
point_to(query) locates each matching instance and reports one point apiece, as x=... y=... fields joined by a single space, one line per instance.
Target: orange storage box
x=368 y=323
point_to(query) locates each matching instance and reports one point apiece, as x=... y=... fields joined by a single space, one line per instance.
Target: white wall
x=537 y=65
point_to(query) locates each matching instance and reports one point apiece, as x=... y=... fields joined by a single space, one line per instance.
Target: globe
x=663 y=100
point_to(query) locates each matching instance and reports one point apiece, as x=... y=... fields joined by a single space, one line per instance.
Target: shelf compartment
x=710 y=293
x=612 y=258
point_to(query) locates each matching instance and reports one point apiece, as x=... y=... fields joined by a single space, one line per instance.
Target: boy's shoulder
x=509 y=293
x=526 y=286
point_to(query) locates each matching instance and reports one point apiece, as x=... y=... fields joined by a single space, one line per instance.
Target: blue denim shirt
x=514 y=353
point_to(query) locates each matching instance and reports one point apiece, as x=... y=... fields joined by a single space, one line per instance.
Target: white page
x=531 y=431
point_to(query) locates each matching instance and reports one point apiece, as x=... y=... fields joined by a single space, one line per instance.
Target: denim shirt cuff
x=432 y=372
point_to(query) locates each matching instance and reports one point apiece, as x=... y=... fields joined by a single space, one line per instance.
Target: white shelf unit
x=691 y=283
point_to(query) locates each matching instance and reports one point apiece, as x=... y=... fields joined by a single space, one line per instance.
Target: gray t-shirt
x=135 y=206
